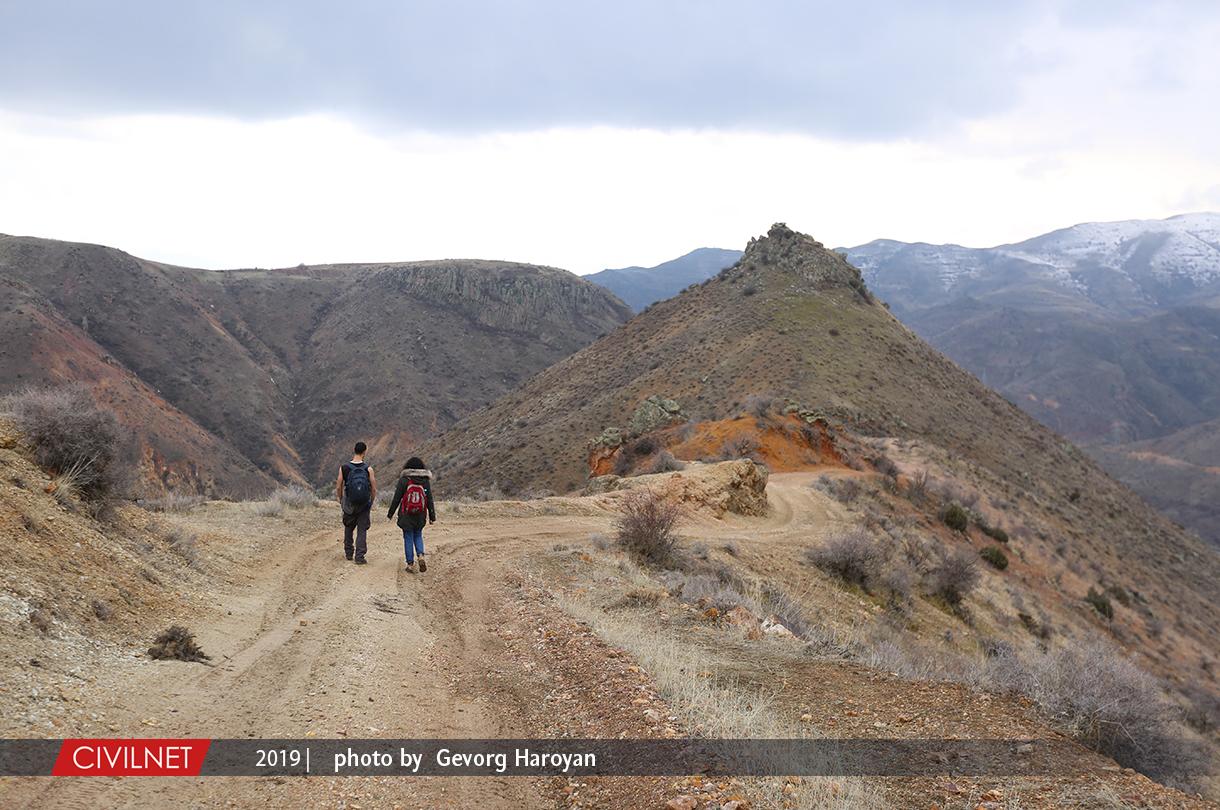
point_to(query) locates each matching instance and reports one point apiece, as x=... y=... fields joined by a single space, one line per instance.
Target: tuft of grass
x=178 y=644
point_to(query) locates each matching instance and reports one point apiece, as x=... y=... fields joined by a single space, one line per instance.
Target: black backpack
x=356 y=484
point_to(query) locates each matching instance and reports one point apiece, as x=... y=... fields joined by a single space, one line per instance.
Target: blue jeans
x=413 y=543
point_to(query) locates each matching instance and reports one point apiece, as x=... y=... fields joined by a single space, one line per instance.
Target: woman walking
x=413 y=501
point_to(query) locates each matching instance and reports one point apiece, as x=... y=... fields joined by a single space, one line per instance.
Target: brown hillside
x=793 y=320
x=273 y=373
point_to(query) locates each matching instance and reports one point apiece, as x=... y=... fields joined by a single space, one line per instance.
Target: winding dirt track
x=318 y=646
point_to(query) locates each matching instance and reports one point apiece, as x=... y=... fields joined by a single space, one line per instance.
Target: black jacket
x=405 y=521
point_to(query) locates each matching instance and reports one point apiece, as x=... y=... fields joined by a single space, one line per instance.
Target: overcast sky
x=593 y=134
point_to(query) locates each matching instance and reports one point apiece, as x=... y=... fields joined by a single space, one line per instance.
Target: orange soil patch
x=784 y=443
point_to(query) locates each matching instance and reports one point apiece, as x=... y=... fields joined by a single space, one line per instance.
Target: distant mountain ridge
x=641 y=286
x=1123 y=268
x=233 y=380
x=1109 y=332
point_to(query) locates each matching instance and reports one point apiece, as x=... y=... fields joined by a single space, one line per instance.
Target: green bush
x=1100 y=602
x=994 y=532
x=995 y=556
x=955 y=517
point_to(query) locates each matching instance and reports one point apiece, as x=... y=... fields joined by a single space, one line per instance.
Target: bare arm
x=339 y=486
x=372 y=486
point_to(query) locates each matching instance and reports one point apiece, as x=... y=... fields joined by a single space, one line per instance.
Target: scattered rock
x=773 y=627
x=683 y=802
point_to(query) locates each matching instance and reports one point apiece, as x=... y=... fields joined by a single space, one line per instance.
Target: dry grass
x=184 y=543
x=715 y=704
x=173 y=502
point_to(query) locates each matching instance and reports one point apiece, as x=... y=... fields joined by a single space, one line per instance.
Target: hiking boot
x=410 y=568
x=348 y=556
x=423 y=566
x=361 y=561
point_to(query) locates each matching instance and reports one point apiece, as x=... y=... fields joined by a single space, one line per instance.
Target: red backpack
x=414 y=500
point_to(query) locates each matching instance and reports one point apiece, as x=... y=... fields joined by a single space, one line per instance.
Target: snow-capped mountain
x=1129 y=267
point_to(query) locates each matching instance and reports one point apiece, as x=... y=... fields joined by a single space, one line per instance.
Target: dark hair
x=360 y=448
x=414 y=463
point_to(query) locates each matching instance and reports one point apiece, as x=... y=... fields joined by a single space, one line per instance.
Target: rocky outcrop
x=654 y=412
x=739 y=487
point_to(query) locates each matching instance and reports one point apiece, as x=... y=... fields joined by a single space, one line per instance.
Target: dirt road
x=317 y=646
x=305 y=644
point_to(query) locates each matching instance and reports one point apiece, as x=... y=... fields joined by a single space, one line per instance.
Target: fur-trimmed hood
x=413 y=473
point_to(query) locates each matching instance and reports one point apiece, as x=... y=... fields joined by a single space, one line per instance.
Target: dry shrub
x=1109 y=704
x=664 y=462
x=953 y=491
x=178 y=644
x=269 y=508
x=73 y=438
x=173 y=502
x=853 y=556
x=102 y=610
x=843 y=490
x=600 y=541
x=760 y=405
x=491 y=493
x=917 y=488
x=707 y=590
x=955 y=575
x=739 y=447
x=293 y=497
x=184 y=543
x=647 y=527
x=42 y=620
x=731 y=548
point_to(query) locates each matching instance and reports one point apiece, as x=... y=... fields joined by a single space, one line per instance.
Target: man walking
x=356 y=489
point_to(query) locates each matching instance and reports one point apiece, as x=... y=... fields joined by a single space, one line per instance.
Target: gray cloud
x=862 y=70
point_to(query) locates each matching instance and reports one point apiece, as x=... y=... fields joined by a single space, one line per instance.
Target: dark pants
x=360 y=523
